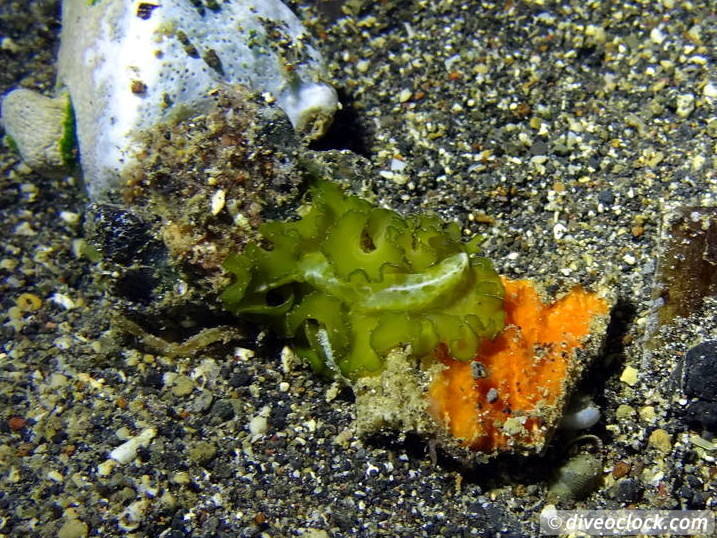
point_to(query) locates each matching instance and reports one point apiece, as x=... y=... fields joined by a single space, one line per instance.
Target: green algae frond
x=68 y=142
x=349 y=282
x=11 y=143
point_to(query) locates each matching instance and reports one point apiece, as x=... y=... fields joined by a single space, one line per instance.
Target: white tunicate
x=129 y=65
x=581 y=419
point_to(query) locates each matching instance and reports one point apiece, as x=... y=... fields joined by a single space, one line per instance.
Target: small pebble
x=202 y=451
x=182 y=386
x=624 y=411
x=647 y=413
x=661 y=440
x=28 y=302
x=629 y=376
x=69 y=217
x=685 y=104
x=627 y=490
x=218 y=201
x=16 y=423
x=73 y=528
x=620 y=469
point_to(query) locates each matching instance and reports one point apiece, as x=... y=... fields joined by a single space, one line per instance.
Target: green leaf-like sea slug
x=349 y=282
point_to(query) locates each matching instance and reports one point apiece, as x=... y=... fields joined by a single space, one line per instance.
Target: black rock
x=606 y=197
x=121 y=236
x=701 y=414
x=240 y=379
x=154 y=380
x=137 y=285
x=692 y=493
x=700 y=380
x=223 y=409
x=627 y=490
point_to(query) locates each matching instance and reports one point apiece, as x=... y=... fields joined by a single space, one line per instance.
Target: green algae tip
x=68 y=142
x=349 y=282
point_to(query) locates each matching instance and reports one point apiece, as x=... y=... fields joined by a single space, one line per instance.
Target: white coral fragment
x=127 y=451
x=38 y=127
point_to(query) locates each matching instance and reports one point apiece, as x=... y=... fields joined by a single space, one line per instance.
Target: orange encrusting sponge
x=507 y=397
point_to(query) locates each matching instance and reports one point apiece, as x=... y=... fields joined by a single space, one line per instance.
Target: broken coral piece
x=511 y=397
x=42 y=130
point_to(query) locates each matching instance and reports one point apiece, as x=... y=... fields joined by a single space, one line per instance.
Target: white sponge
x=129 y=64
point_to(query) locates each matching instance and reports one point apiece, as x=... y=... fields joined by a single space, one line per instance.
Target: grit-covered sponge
x=128 y=65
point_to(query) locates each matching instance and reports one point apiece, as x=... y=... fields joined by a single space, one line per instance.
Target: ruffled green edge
x=349 y=281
